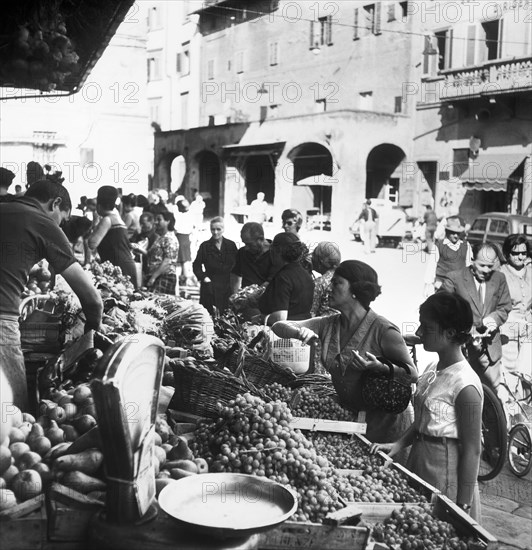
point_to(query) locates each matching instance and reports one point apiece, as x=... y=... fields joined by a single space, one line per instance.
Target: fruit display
x=316 y=403
x=38 y=280
x=39 y=54
x=254 y=437
x=416 y=527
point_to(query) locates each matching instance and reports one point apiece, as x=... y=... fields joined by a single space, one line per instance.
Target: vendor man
x=29 y=232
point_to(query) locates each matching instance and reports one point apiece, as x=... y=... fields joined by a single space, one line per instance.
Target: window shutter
x=311 y=35
x=430 y=61
x=515 y=36
x=178 y=63
x=377 y=18
x=328 y=31
x=470 y=48
x=356 y=34
x=391 y=12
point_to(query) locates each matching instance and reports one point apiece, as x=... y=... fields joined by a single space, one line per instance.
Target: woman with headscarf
x=110 y=236
x=326 y=257
x=351 y=341
x=289 y=294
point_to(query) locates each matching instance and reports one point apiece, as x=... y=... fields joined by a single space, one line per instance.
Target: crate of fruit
x=23 y=525
x=40 y=324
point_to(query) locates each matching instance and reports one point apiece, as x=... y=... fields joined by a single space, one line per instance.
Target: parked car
x=496 y=226
x=392 y=225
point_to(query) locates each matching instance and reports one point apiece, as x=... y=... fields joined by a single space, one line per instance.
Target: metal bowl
x=227 y=505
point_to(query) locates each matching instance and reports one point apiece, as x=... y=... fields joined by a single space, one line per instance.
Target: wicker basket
x=261 y=372
x=198 y=389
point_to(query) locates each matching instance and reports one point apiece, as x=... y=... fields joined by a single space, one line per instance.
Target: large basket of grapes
x=198 y=388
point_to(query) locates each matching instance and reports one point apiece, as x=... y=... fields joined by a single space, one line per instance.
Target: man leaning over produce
x=29 y=232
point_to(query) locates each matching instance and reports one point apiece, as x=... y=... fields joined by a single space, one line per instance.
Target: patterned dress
x=165 y=247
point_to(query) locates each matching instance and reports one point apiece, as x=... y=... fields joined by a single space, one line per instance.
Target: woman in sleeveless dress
x=110 y=238
x=351 y=341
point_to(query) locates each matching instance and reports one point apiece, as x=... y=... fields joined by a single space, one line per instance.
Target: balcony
x=488 y=79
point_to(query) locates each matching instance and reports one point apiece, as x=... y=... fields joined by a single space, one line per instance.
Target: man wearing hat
x=448 y=255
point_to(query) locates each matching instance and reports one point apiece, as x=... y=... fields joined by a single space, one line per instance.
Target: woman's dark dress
x=115 y=248
x=216 y=264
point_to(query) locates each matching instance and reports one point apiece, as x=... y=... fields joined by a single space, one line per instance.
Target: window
x=184 y=110
x=321 y=32
x=366 y=101
x=499 y=226
x=239 y=62
x=391 y=12
x=444 y=40
x=210 y=69
x=479 y=224
x=372 y=18
x=183 y=60
x=429 y=169
x=398 y=104
x=489 y=44
x=274 y=53
x=154 y=65
x=357 y=32
x=263 y=113
x=154 y=18
x=404 y=11
x=321 y=105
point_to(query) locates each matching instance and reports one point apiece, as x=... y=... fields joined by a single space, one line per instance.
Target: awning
x=52 y=47
x=274 y=148
x=319 y=179
x=491 y=172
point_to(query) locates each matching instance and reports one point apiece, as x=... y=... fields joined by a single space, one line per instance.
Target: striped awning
x=492 y=172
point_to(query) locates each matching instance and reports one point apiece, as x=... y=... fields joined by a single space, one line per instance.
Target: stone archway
x=311 y=159
x=209 y=177
x=382 y=171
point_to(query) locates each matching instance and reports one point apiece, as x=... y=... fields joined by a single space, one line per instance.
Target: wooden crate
x=23 y=527
x=69 y=514
x=314 y=536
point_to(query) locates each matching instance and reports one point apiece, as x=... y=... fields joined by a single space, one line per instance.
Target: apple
x=7 y=499
x=28 y=460
x=160 y=455
x=203 y=467
x=16 y=435
x=18 y=449
x=81 y=394
x=5 y=459
x=27 y=484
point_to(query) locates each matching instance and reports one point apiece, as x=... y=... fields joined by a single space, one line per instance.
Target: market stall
x=171 y=428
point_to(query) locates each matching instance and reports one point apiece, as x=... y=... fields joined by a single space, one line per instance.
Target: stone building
x=298 y=90
x=473 y=137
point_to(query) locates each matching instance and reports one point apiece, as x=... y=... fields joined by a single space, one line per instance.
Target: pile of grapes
x=416 y=527
x=313 y=403
x=254 y=437
x=342 y=451
x=278 y=392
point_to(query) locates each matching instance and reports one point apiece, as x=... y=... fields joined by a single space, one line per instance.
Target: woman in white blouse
x=446 y=433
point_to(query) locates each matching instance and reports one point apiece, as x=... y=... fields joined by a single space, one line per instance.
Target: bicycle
x=520 y=437
x=494 y=431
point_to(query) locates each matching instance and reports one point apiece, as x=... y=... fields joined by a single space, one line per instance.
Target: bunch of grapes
x=277 y=392
x=416 y=527
x=254 y=437
x=316 y=404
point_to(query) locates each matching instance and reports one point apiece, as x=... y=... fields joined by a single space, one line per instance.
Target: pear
x=180 y=451
x=36 y=431
x=55 y=434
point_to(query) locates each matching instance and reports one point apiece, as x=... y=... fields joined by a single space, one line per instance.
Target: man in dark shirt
x=29 y=232
x=253 y=261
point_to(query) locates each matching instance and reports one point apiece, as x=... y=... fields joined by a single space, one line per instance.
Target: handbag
x=384 y=392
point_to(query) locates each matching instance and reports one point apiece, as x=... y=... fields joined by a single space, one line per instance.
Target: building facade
x=301 y=101
x=473 y=136
x=321 y=105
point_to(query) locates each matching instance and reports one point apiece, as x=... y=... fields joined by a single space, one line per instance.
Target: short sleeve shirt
x=27 y=235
